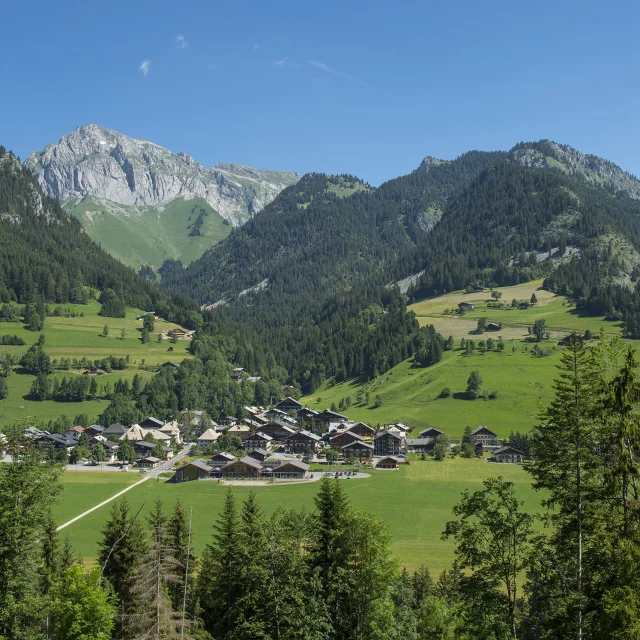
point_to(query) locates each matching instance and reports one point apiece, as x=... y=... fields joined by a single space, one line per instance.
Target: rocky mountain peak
x=547 y=154
x=94 y=161
x=428 y=162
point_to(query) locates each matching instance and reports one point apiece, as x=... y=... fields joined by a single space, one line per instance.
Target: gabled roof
x=224 y=455
x=431 y=432
x=261 y=435
x=485 y=429
x=115 y=429
x=288 y=400
x=333 y=414
x=152 y=422
x=303 y=466
x=261 y=452
x=358 y=443
x=387 y=433
x=394 y=458
x=308 y=434
x=209 y=434
x=508 y=449
x=355 y=436
x=247 y=460
x=151 y=459
x=200 y=463
x=144 y=444
x=419 y=441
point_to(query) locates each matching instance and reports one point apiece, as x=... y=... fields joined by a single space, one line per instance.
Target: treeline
x=45 y=254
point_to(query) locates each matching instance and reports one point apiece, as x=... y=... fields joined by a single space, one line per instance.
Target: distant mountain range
x=145 y=204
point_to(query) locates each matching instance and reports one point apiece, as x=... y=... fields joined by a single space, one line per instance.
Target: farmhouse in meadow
x=465 y=306
x=430 y=432
x=484 y=435
x=509 y=455
x=390 y=462
x=195 y=470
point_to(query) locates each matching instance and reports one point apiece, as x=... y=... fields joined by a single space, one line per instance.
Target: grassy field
x=150 y=235
x=410 y=393
x=416 y=502
x=82 y=337
x=560 y=314
x=85 y=489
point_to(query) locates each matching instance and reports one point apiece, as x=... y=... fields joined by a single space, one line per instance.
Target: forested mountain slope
x=308 y=275
x=45 y=254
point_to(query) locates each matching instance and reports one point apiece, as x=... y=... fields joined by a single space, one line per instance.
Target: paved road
x=154 y=473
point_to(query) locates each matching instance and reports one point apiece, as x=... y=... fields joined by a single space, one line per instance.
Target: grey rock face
x=106 y=164
x=585 y=166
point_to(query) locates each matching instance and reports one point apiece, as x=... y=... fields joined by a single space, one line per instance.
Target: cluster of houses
x=167 y=434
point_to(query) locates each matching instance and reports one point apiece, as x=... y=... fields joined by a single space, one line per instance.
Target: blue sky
x=361 y=87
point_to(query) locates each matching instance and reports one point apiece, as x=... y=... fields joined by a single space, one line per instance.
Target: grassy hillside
x=560 y=314
x=410 y=393
x=82 y=337
x=182 y=229
x=416 y=502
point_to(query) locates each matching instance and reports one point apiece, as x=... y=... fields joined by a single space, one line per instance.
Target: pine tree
x=219 y=578
x=153 y=616
x=181 y=541
x=123 y=546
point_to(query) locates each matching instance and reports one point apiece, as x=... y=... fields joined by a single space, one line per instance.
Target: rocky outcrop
x=106 y=164
x=584 y=166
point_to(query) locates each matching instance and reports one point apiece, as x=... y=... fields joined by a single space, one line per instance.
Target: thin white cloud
x=144 y=67
x=256 y=47
x=337 y=72
x=181 y=42
x=279 y=63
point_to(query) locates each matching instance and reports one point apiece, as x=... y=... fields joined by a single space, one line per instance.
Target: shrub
x=445 y=393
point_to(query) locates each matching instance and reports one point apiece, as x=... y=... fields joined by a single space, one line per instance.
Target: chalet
x=430 y=432
x=327 y=417
x=151 y=423
x=257 y=441
x=465 y=306
x=358 y=449
x=111 y=451
x=301 y=442
x=195 y=470
x=493 y=326
x=484 y=435
x=137 y=433
x=237 y=374
x=362 y=429
x=259 y=454
x=387 y=443
x=339 y=441
x=115 y=429
x=93 y=371
x=143 y=448
x=207 y=438
x=75 y=432
x=56 y=442
x=291 y=469
x=476 y=288
x=279 y=416
x=148 y=313
x=390 y=462
x=95 y=430
x=307 y=416
x=239 y=430
x=509 y=455
x=419 y=445
x=246 y=467
x=168 y=365
x=288 y=404
x=277 y=431
x=172 y=430
x=401 y=427
x=221 y=458
x=178 y=333
x=228 y=421
x=148 y=463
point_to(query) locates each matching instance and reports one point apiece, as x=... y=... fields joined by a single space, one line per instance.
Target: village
x=269 y=444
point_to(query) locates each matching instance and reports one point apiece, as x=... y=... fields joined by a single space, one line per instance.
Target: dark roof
x=249 y=461
x=395 y=458
x=144 y=444
x=199 y=464
x=357 y=443
x=387 y=433
x=168 y=363
x=507 y=449
x=115 y=429
x=480 y=429
x=289 y=400
x=152 y=422
x=419 y=441
x=333 y=414
x=149 y=459
x=348 y=433
x=261 y=452
x=303 y=466
x=429 y=431
x=306 y=433
x=261 y=435
x=224 y=455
